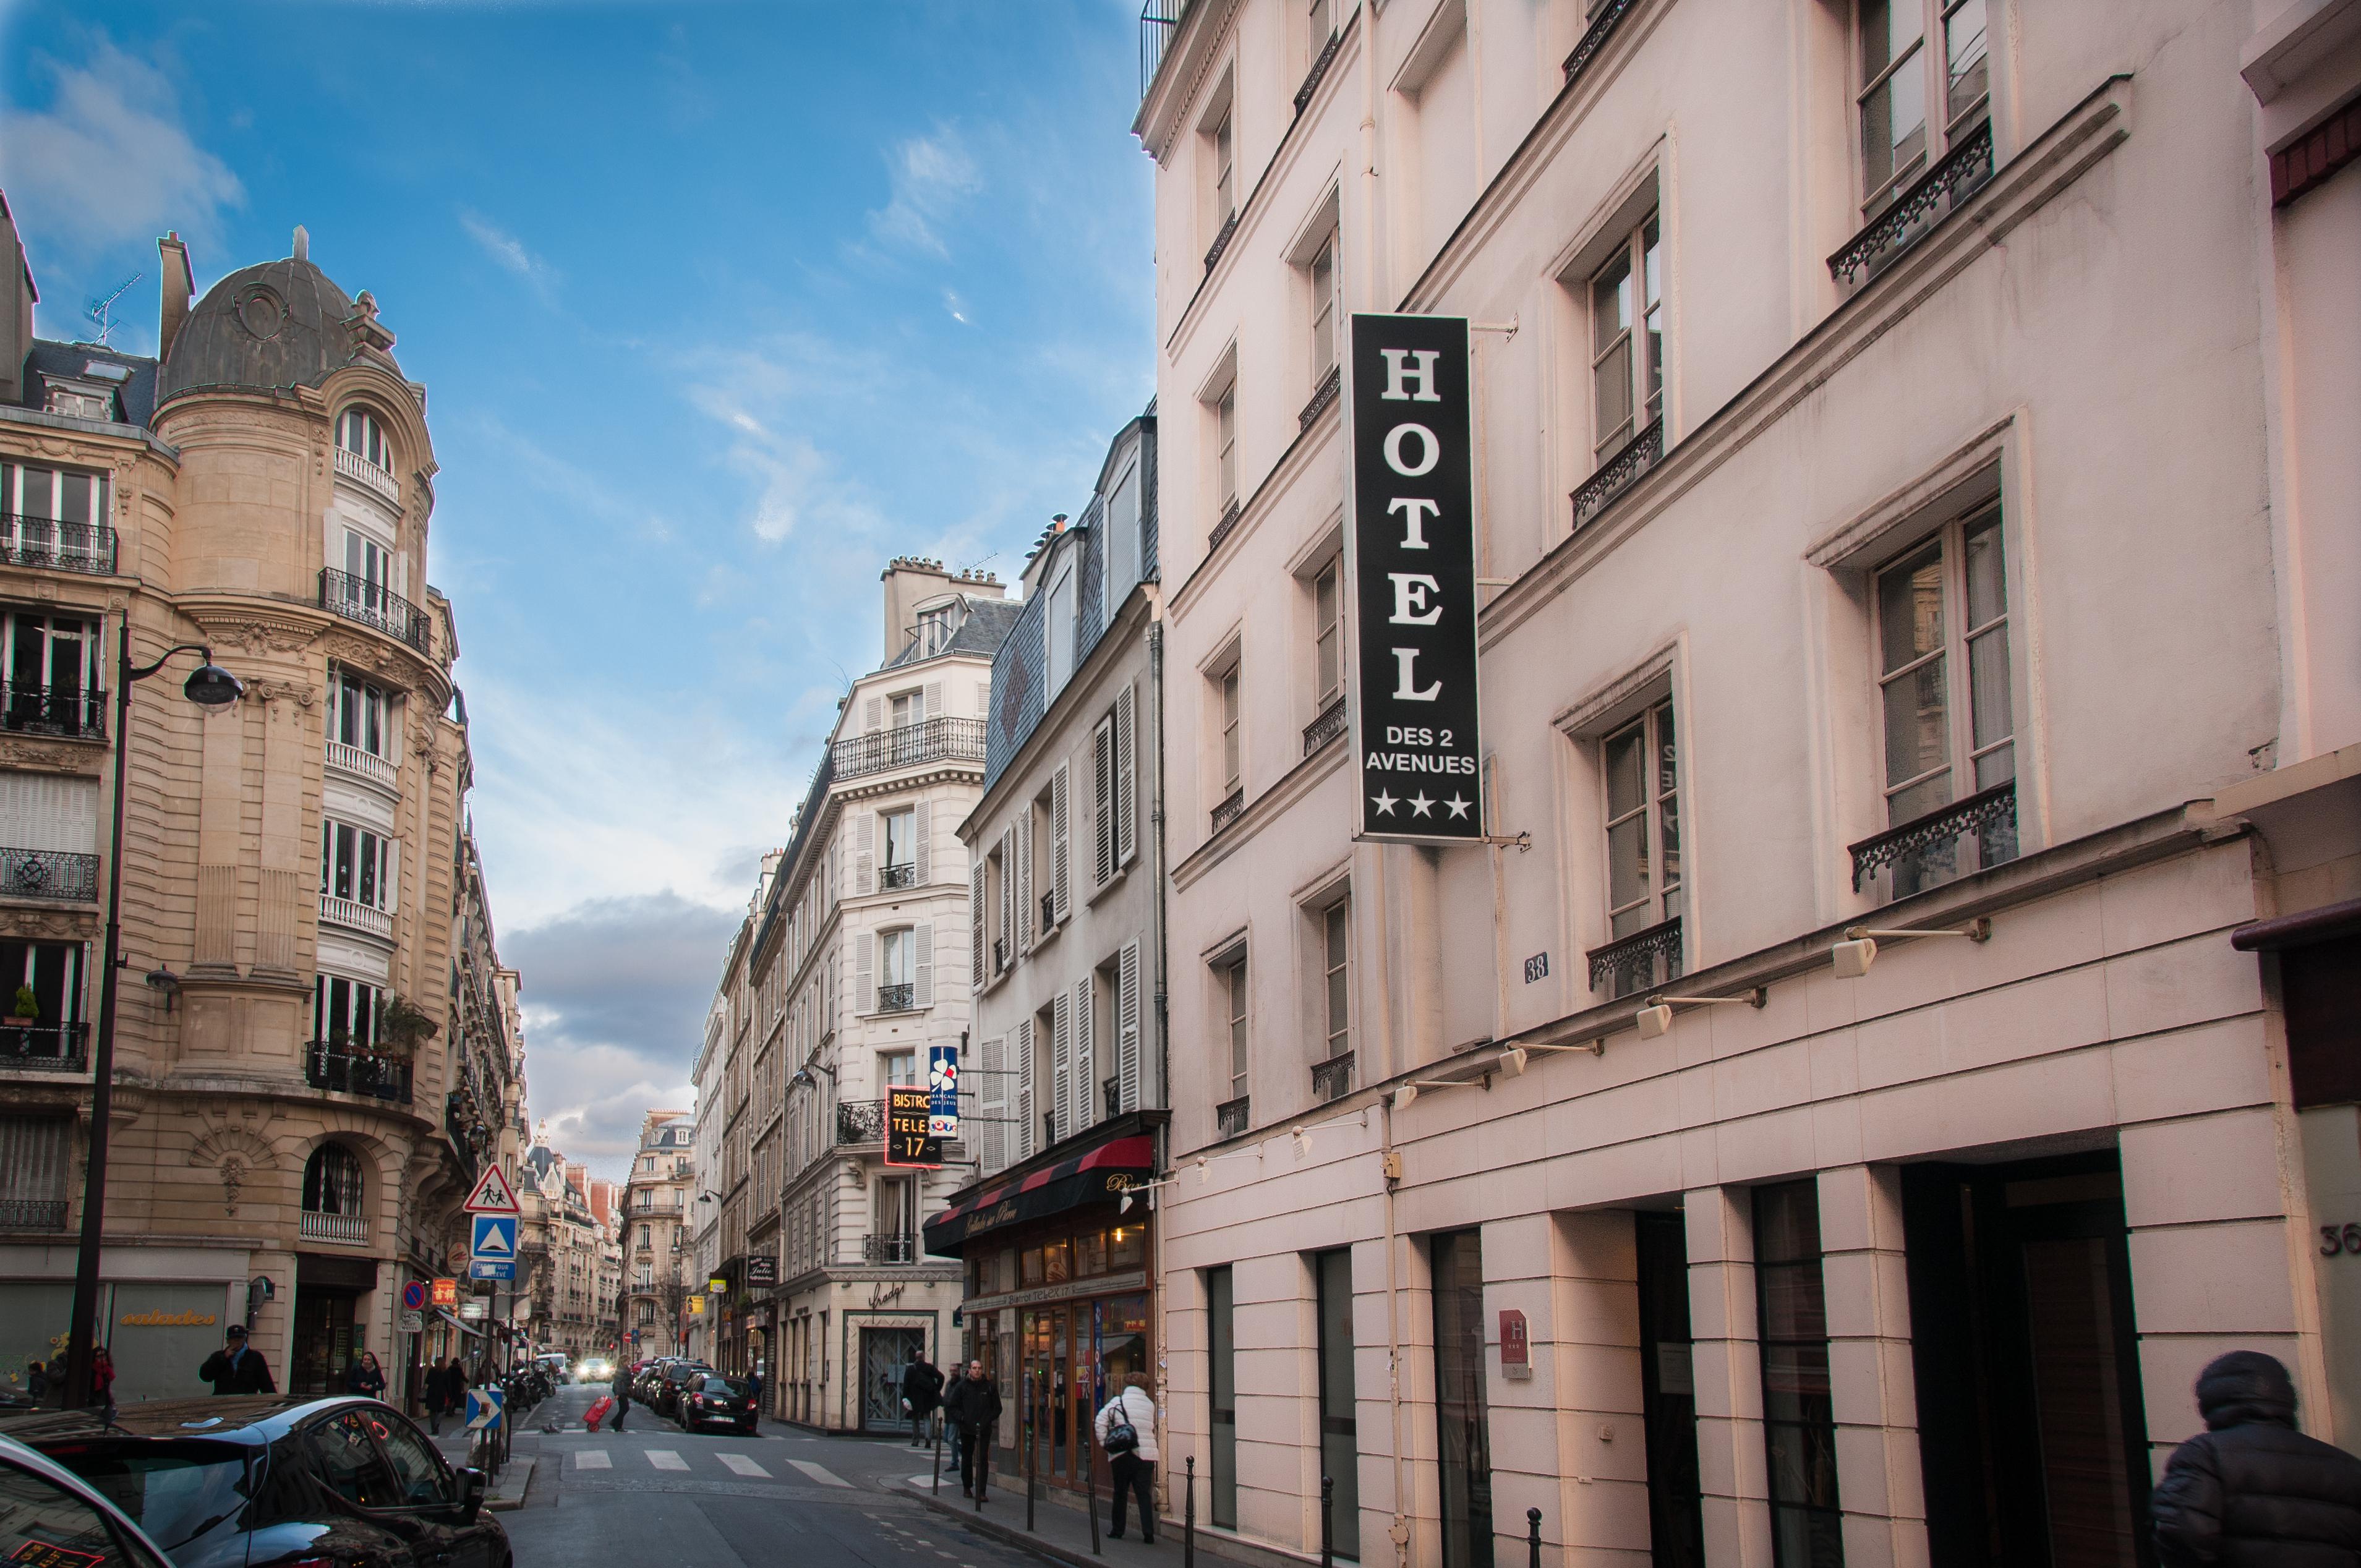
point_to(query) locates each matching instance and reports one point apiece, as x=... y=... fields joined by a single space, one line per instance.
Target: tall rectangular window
x=1233 y=994
x=353 y=865
x=52 y=669
x=1627 y=341
x=1222 y=1387
x=358 y=715
x=1324 y=316
x=1226 y=449
x=357 y=433
x=1225 y=203
x=901 y=849
x=1321 y=23
x=1901 y=76
x=1328 y=634
x=1335 y=943
x=1463 y=1419
x=1339 y=1440
x=1799 y=1426
x=1642 y=762
x=1232 y=760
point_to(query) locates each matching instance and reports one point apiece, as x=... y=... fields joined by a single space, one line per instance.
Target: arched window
x=332 y=1181
x=358 y=432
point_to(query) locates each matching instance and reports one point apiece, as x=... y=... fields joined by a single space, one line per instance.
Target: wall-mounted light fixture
x=163 y=979
x=1656 y=1017
x=1858 y=949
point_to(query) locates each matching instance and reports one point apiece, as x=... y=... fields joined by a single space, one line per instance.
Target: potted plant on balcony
x=403 y=1027
x=27 y=1008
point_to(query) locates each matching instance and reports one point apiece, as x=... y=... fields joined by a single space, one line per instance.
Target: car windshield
x=175 y=1490
x=717 y=1386
x=678 y=1373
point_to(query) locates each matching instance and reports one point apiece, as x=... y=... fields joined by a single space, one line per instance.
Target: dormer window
x=80 y=399
x=936 y=626
x=358 y=432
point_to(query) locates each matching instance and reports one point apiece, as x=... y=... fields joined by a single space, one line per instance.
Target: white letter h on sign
x=1397 y=373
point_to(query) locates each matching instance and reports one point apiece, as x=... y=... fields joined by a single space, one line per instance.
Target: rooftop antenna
x=101 y=312
x=970 y=569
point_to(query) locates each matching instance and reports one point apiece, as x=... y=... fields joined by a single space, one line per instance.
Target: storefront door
x=1463 y=1419
x=323 y=1340
x=1668 y=1393
x=885 y=1354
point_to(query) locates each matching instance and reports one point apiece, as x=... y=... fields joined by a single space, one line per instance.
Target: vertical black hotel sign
x=1412 y=553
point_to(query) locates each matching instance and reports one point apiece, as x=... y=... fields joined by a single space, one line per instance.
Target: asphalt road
x=654 y=1497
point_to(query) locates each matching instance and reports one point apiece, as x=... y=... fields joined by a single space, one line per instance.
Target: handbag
x=1121 y=1436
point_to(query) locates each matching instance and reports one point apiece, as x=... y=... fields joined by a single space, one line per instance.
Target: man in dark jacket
x=235 y=1368
x=974 y=1408
x=2251 y=1491
x=922 y=1390
x=952 y=1381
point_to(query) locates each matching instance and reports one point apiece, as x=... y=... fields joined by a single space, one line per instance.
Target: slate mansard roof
x=279 y=325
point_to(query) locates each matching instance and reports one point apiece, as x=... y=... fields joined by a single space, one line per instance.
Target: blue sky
x=719 y=307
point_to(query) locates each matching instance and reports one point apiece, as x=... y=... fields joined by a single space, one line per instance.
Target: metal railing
x=898 y=998
x=356 y=1072
x=49 y=873
x=375 y=606
x=889 y=1249
x=1636 y=455
x=1958 y=175
x=43 y=1048
x=32 y=1213
x=1049 y=910
x=1158 y=20
x=32 y=708
x=1228 y=811
x=1321 y=395
x=1111 y=1095
x=999 y=954
x=1594 y=37
x=904 y=873
x=362 y=764
x=1230 y=1117
x=1970 y=834
x=907 y=745
x=1231 y=511
x=57 y=547
x=368 y=476
x=351 y=1229
x=354 y=916
x=1319 y=69
x=1221 y=241
x=1333 y=1079
x=1327 y=727
x=1646 y=957
x=861 y=1120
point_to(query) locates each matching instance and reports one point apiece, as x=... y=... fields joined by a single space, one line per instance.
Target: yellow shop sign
x=156 y=1319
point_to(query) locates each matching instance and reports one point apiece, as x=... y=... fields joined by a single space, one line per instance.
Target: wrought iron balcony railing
x=49 y=873
x=907 y=745
x=57 y=547
x=1641 y=961
x=861 y=1120
x=898 y=998
x=1230 y=1117
x=1594 y=37
x=1321 y=395
x=902 y=875
x=31 y=708
x=1970 y=834
x=1639 y=454
x=1228 y=811
x=1930 y=198
x=1327 y=727
x=43 y=1048
x=889 y=1249
x=1158 y=20
x=1111 y=1095
x=375 y=606
x=999 y=954
x=1049 y=910
x=1333 y=1079
x=1222 y=240
x=32 y=1213
x=350 y=1230
x=1231 y=511
x=344 y=1071
x=1319 y=69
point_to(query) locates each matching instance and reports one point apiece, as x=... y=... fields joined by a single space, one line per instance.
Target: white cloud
x=957 y=306
x=110 y=160
x=508 y=252
x=930 y=176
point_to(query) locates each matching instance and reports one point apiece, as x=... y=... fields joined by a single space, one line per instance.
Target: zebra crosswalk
x=743 y=1466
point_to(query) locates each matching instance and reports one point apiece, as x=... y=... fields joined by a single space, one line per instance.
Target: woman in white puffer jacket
x=1134 y=1468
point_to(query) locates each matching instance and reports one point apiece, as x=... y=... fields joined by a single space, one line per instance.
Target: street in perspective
x=1438 y=784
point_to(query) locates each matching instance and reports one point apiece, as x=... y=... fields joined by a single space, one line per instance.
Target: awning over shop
x=1099 y=1175
x=445 y=1314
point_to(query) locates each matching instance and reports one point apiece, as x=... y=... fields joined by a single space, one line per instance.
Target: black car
x=669 y=1377
x=713 y=1400
x=254 y=1482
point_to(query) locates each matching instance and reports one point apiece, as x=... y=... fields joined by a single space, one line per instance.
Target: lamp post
x=211 y=686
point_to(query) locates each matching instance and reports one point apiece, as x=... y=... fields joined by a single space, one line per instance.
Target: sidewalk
x=1062 y=1529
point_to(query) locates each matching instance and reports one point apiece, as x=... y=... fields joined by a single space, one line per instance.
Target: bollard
x=936 y=1478
x=1031 y=1435
x=1090 y=1487
x=1189 y=1519
x=1327 y=1523
x=1532 y=1538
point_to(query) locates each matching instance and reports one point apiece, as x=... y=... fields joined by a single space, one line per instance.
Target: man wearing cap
x=235 y=1368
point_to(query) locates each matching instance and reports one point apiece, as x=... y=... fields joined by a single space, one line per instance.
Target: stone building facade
x=280 y=1149
x=657 y=1246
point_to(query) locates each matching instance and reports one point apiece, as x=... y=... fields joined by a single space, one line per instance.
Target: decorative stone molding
x=254 y=637
x=300 y=693
x=49 y=759
x=48 y=924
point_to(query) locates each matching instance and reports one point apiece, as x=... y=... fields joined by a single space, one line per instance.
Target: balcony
x=1227 y=811
x=49 y=873
x=1639 y=454
x=1645 y=959
x=900 y=998
x=999 y=954
x=1230 y=1118
x=1333 y=1079
x=906 y=874
x=1327 y=727
x=344 y=1230
x=1594 y=37
x=1933 y=196
x=1111 y=1096
x=32 y=1213
x=1321 y=395
x=368 y=476
x=375 y=606
x=354 y=916
x=360 y=764
x=908 y=745
x=889 y=1249
x=74 y=712
x=1970 y=834
x=1221 y=241
x=44 y=1048
x=1158 y=20
x=1049 y=910
x=861 y=1121
x=1319 y=69
x=55 y=546
x=1228 y=520
x=344 y=1071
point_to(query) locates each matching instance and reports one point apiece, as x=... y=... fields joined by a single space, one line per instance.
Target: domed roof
x=280 y=324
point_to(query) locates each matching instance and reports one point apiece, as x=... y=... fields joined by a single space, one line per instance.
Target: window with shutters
x=1058 y=880
x=1231 y=997
x=991 y=1093
x=1058 y=1122
x=1021 y=1144
x=999 y=891
x=897 y=971
x=900 y=868
x=1103 y=862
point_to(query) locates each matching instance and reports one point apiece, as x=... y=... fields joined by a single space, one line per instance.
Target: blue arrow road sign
x=484 y=1406
x=492 y=1250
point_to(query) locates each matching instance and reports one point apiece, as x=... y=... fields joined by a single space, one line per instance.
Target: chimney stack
x=302 y=243
x=178 y=284
x=17 y=296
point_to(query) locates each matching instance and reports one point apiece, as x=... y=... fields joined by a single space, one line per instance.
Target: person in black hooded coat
x=2251 y=1491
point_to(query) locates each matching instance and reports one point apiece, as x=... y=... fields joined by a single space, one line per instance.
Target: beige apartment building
x=1835 y=1114
x=282 y=1147
x=561 y=1256
x=656 y=1251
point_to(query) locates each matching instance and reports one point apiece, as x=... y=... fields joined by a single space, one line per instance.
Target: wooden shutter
x=1024 y=880
x=933 y=700
x=1025 y=1122
x=922 y=817
x=1086 y=1068
x=975 y=925
x=1103 y=800
x=873 y=714
x=48 y=811
x=922 y=973
x=1008 y=891
x=1061 y=878
x=991 y=1136
x=864 y=852
x=1126 y=1024
x=984 y=699
x=1062 y=1065
x=864 y=988
x=1127 y=777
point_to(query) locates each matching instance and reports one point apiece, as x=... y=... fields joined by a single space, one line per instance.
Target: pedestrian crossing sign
x=492 y=1194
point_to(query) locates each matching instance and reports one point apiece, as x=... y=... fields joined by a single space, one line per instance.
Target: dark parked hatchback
x=279 y=1483
x=710 y=1400
x=666 y=1396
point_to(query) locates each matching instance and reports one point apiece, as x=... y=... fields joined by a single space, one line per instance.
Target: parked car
x=229 y=1483
x=712 y=1400
x=48 y=1513
x=668 y=1382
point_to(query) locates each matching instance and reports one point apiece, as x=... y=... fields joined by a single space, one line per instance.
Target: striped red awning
x=1104 y=1173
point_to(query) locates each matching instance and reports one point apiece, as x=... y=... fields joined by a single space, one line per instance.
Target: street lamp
x=211 y=686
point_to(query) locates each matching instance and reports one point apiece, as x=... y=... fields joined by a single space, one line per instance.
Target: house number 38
x=2335 y=1239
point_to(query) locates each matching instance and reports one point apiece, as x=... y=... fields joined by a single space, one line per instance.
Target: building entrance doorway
x=1668 y=1392
x=885 y=1354
x=2031 y=1432
x=323 y=1340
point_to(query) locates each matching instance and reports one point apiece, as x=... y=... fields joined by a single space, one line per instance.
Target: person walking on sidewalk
x=976 y=1411
x=922 y=1390
x=365 y=1377
x=235 y=1369
x=2250 y=1491
x=1126 y=1433
x=952 y=1382
x=440 y=1376
x=622 y=1390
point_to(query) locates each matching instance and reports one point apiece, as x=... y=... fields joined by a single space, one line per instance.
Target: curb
x=505 y=1502
x=965 y=1512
